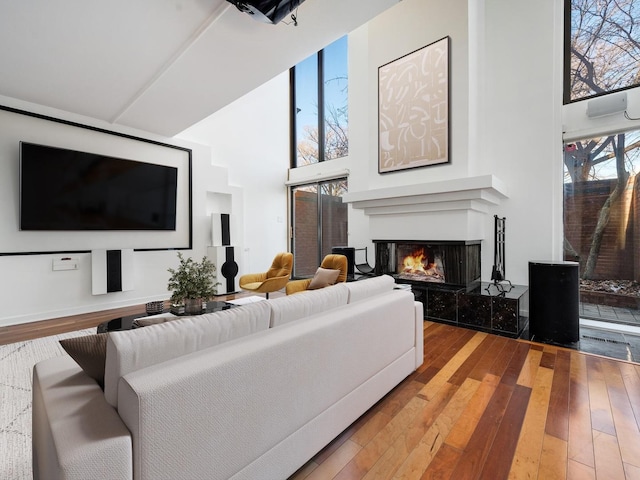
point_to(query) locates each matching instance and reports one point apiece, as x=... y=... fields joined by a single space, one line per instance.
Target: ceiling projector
x=267 y=11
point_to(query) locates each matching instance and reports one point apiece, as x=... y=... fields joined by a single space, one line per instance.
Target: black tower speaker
x=350 y=253
x=554 y=302
x=229 y=269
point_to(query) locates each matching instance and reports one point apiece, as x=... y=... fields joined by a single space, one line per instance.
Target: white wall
x=505 y=120
x=250 y=139
x=404 y=28
x=520 y=128
x=31 y=290
x=505 y=113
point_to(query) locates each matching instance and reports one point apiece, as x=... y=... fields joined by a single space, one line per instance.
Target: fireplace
x=445 y=277
x=448 y=263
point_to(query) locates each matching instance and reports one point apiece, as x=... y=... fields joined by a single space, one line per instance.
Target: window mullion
x=293 y=128
x=319 y=213
x=321 y=138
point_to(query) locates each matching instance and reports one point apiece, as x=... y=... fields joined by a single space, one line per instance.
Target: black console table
x=481 y=307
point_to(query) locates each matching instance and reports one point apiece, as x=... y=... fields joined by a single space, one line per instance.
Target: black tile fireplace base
x=482 y=307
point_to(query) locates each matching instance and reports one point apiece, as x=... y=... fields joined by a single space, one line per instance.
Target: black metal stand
x=364 y=268
x=498 y=271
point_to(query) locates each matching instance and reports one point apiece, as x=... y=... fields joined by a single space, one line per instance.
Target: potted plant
x=192 y=283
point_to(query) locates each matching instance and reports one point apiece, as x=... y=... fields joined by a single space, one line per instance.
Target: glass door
x=319 y=223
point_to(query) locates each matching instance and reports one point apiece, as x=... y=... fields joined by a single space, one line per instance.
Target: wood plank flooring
x=31 y=330
x=488 y=407
x=480 y=407
x=44 y=328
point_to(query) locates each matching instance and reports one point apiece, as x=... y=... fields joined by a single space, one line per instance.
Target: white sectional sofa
x=252 y=392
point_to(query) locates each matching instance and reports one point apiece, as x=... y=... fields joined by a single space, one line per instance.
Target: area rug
x=16 y=373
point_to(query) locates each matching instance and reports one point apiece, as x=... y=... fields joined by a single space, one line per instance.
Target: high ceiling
x=156 y=65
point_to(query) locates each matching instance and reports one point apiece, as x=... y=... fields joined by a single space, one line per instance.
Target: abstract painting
x=413 y=109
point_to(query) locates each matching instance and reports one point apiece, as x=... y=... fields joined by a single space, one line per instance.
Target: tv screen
x=63 y=189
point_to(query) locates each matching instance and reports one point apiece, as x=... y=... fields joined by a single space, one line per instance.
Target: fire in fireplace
x=449 y=262
x=420 y=263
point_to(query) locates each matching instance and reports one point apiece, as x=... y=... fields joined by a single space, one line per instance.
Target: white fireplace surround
x=445 y=210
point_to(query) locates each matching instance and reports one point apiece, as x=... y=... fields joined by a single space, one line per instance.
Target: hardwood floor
x=488 y=407
x=31 y=330
x=44 y=328
x=480 y=407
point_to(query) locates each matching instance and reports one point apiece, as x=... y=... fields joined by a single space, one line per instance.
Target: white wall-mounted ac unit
x=607 y=105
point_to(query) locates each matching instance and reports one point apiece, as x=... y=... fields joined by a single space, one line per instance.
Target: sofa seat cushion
x=130 y=350
x=369 y=287
x=76 y=433
x=304 y=304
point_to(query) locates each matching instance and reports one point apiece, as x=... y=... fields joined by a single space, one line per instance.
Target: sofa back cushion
x=131 y=350
x=369 y=287
x=304 y=304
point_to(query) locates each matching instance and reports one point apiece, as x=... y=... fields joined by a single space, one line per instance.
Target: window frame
x=566 y=77
x=319 y=215
x=293 y=131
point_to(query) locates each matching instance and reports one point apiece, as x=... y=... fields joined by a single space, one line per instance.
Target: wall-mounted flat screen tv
x=62 y=189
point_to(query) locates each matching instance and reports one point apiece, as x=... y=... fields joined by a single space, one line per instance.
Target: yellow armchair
x=330 y=262
x=273 y=279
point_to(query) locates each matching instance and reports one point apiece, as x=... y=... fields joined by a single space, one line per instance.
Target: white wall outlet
x=65 y=263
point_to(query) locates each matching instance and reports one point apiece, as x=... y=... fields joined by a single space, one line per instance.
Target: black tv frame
x=188 y=151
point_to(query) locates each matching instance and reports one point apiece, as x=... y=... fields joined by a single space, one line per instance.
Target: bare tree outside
x=604 y=49
x=336 y=137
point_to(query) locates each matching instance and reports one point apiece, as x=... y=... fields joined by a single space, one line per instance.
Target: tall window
x=319 y=101
x=601 y=221
x=319 y=223
x=602 y=47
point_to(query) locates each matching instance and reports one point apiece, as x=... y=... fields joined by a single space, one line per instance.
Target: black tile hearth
x=499 y=311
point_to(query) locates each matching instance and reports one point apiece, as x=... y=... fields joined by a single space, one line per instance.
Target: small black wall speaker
x=220 y=229
x=114 y=271
x=111 y=271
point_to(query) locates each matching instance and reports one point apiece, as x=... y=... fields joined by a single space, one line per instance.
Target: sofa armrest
x=76 y=434
x=267 y=285
x=252 y=278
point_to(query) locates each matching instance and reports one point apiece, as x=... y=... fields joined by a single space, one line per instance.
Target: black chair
x=348 y=252
x=364 y=268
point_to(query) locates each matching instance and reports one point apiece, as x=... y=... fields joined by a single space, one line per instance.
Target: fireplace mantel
x=472 y=194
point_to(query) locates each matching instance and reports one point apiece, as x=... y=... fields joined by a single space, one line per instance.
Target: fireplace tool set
x=497 y=273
